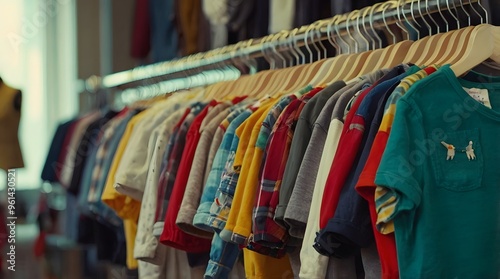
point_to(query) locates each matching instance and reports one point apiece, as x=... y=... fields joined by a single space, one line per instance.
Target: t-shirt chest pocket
x=458 y=161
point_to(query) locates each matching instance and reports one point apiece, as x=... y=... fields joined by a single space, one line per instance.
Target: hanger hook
x=264 y=54
x=399 y=22
x=376 y=7
x=339 y=36
x=275 y=45
x=269 y=50
x=412 y=12
x=283 y=42
x=369 y=12
x=352 y=14
x=485 y=12
x=306 y=36
x=310 y=35
x=413 y=16
x=429 y=28
x=316 y=42
x=331 y=36
x=402 y=8
x=319 y=25
x=358 y=28
x=291 y=47
x=451 y=13
x=476 y=12
x=297 y=48
x=442 y=16
x=465 y=11
x=431 y=17
x=385 y=6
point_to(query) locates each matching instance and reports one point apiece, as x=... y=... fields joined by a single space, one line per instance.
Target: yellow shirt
x=243 y=158
x=125 y=207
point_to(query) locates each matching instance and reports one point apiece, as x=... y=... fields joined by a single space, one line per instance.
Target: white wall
x=38 y=56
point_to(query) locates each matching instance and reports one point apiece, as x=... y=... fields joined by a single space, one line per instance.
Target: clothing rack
x=384 y=14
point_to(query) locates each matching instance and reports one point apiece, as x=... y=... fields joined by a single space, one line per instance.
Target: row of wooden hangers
x=463 y=49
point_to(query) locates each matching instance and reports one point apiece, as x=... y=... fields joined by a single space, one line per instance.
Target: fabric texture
x=172 y=235
x=300 y=141
x=386 y=245
x=146 y=245
x=327 y=129
x=10 y=116
x=198 y=174
x=265 y=230
x=430 y=190
x=164 y=34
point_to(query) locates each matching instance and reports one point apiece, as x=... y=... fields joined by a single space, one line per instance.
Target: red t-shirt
x=386 y=244
x=341 y=166
x=172 y=235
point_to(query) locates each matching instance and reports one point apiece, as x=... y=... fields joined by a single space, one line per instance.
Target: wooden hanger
x=326 y=63
x=417 y=48
x=483 y=43
x=312 y=69
x=352 y=63
x=375 y=56
x=309 y=70
x=286 y=76
x=355 y=68
x=448 y=41
x=396 y=53
x=333 y=66
x=459 y=39
x=456 y=48
x=391 y=55
x=435 y=44
x=257 y=86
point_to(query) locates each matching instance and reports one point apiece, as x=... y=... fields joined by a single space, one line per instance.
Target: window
x=38 y=56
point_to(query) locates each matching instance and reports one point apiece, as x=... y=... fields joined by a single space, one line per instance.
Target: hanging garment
x=49 y=167
x=292 y=200
x=171 y=234
x=265 y=230
x=327 y=129
x=300 y=140
x=187 y=13
x=425 y=115
x=171 y=159
x=10 y=116
x=70 y=157
x=141 y=30
x=85 y=148
x=281 y=14
x=164 y=35
x=202 y=163
x=217 y=14
x=366 y=183
x=104 y=159
x=337 y=232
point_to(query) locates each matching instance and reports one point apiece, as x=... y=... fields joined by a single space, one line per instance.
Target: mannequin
x=10 y=116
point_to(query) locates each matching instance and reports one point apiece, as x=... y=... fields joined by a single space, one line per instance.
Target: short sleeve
x=400 y=175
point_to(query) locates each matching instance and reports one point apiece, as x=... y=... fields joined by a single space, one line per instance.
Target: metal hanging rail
x=384 y=14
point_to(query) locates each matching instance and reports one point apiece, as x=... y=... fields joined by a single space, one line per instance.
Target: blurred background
x=49 y=47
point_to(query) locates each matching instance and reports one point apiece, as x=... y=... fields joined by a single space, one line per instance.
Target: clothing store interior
x=261 y=139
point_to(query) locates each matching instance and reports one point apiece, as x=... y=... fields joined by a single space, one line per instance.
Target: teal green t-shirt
x=442 y=165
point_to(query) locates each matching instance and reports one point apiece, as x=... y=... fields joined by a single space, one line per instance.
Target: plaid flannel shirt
x=262 y=132
x=201 y=219
x=167 y=176
x=229 y=177
x=104 y=158
x=219 y=211
x=266 y=231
